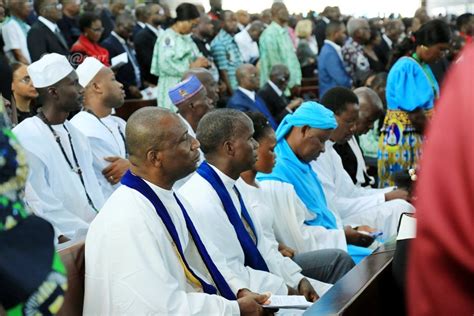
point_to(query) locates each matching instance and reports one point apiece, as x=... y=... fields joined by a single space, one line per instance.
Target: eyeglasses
x=97 y=29
x=58 y=6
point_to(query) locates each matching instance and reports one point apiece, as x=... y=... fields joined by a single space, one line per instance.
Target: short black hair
x=86 y=19
x=38 y=5
x=333 y=27
x=261 y=125
x=462 y=20
x=187 y=11
x=218 y=126
x=336 y=99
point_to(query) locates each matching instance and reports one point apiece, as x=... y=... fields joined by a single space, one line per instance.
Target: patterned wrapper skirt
x=399 y=146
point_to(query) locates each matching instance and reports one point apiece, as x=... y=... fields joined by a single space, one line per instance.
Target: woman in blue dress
x=411 y=92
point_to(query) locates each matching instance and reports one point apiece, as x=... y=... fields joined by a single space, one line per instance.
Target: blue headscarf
x=291 y=169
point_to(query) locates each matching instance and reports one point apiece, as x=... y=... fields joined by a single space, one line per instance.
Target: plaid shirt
x=357 y=65
x=226 y=55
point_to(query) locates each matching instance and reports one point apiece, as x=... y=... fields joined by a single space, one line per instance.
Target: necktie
x=133 y=60
x=60 y=37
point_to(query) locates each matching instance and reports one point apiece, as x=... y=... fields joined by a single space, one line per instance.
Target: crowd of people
x=236 y=184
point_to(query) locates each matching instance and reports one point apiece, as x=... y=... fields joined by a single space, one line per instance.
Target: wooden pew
x=131 y=106
x=72 y=255
x=368 y=289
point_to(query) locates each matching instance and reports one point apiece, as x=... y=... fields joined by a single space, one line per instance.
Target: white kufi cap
x=88 y=69
x=50 y=69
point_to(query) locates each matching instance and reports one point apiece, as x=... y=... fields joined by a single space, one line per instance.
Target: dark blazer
x=276 y=104
x=144 y=45
x=240 y=101
x=41 y=40
x=383 y=52
x=320 y=33
x=126 y=73
x=349 y=161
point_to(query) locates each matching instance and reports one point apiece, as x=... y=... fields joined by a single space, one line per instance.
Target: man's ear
x=304 y=130
x=53 y=92
x=229 y=148
x=154 y=157
x=96 y=87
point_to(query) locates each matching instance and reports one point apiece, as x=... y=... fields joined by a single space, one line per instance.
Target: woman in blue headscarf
x=411 y=92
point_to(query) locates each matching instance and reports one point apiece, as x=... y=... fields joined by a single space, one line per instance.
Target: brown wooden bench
x=368 y=289
x=73 y=258
x=130 y=106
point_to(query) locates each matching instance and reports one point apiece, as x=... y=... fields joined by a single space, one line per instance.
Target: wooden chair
x=368 y=289
x=130 y=106
x=73 y=259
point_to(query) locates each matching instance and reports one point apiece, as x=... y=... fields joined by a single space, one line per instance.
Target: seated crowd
x=237 y=185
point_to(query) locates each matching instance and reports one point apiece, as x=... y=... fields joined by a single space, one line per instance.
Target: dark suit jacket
x=349 y=161
x=383 y=52
x=144 y=44
x=320 y=33
x=240 y=101
x=41 y=40
x=276 y=104
x=126 y=73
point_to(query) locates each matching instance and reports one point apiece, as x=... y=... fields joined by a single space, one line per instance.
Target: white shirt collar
x=325 y=19
x=50 y=25
x=335 y=46
x=228 y=181
x=275 y=88
x=155 y=30
x=250 y=94
x=141 y=24
x=120 y=39
x=387 y=40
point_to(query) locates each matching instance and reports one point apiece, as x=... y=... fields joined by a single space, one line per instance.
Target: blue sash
x=253 y=258
x=142 y=187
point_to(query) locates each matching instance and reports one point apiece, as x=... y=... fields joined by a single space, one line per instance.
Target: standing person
x=119 y=42
x=393 y=30
x=225 y=51
x=276 y=47
x=329 y=14
x=175 y=52
x=247 y=40
x=106 y=133
x=375 y=39
x=69 y=25
x=331 y=69
x=88 y=42
x=352 y=51
x=24 y=93
x=166 y=268
x=216 y=9
x=465 y=26
x=45 y=37
x=202 y=36
x=62 y=186
x=307 y=48
x=145 y=40
x=443 y=248
x=411 y=93
x=15 y=30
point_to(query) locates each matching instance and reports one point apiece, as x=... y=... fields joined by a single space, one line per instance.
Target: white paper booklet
x=288 y=301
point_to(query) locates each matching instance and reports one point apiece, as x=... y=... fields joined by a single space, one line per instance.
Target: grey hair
x=369 y=95
x=354 y=24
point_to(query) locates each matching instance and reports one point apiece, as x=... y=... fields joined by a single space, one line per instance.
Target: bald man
x=245 y=97
x=370 y=109
x=102 y=94
x=143 y=253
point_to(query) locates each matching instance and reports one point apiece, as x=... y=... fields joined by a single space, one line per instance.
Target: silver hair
x=354 y=24
x=369 y=95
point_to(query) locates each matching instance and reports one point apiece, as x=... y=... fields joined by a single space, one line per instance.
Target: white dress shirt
x=247 y=46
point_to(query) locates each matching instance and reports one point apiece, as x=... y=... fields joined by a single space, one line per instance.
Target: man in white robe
x=61 y=185
x=102 y=94
x=226 y=138
x=305 y=223
x=135 y=264
x=190 y=98
x=379 y=208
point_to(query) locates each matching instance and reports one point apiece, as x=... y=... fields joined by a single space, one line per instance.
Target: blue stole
x=136 y=183
x=253 y=258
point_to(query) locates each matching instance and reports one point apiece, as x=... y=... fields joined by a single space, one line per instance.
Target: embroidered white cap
x=50 y=69
x=88 y=70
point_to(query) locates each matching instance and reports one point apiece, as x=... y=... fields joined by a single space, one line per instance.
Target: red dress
x=85 y=48
x=441 y=261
